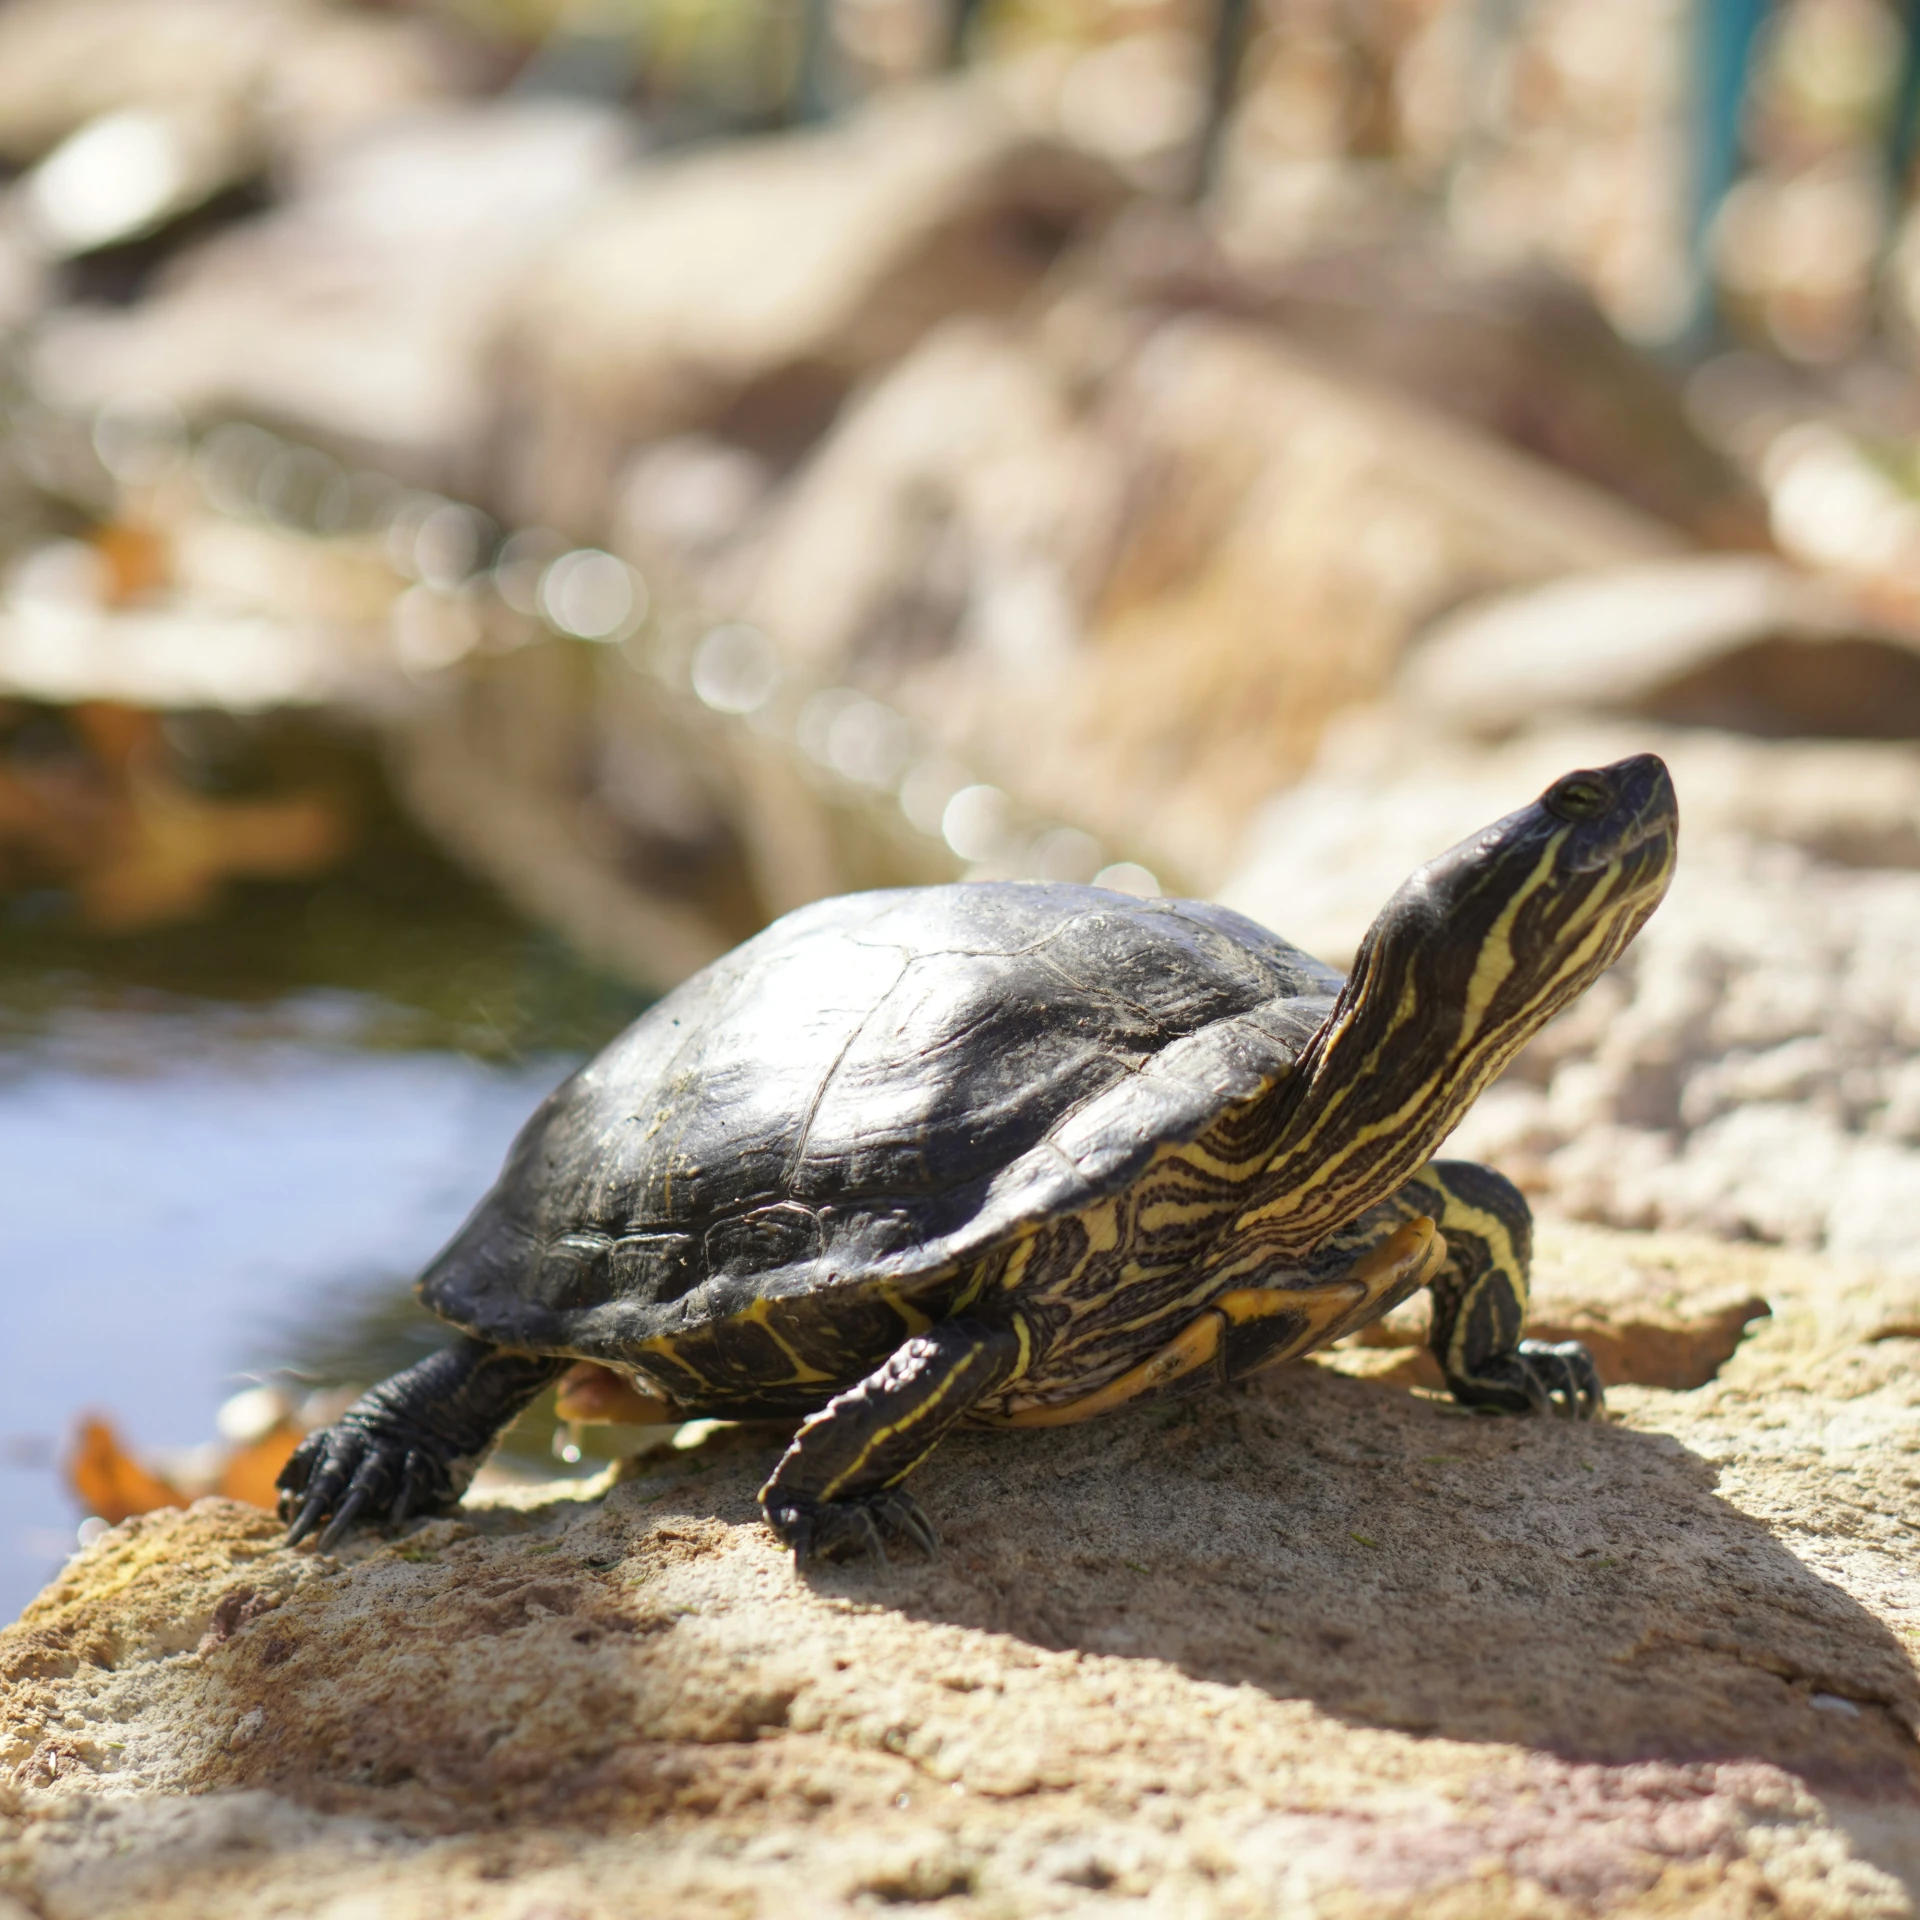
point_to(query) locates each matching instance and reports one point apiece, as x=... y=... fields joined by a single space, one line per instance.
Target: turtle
x=1018 y=1153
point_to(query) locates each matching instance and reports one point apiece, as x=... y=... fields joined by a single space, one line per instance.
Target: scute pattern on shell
x=871 y=1094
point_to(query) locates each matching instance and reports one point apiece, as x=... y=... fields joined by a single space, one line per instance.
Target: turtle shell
x=861 y=1102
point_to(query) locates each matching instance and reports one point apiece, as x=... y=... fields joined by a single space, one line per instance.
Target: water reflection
x=230 y=1140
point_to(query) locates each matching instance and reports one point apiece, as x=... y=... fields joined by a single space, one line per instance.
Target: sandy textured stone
x=1668 y=1316
x=1350 y=262
x=1527 y=355
x=1323 y=1647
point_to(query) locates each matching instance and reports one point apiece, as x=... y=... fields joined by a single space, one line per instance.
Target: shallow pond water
x=230 y=1138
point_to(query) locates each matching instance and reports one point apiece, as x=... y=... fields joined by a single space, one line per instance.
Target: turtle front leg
x=836 y=1490
x=1480 y=1300
x=412 y=1444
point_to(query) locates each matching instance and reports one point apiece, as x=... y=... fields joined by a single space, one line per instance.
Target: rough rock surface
x=1752 y=1066
x=1514 y=347
x=1717 y=640
x=358 y=313
x=747 y=289
x=1350 y=263
x=1319 y=1647
x=272 y=74
x=1108 y=558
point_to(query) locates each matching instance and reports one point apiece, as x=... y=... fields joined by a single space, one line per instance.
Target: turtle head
x=1469 y=959
x=1487 y=941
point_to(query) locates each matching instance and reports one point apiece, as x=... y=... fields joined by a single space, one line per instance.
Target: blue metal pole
x=1725 y=33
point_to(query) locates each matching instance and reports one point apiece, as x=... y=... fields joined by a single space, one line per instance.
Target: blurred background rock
x=498 y=500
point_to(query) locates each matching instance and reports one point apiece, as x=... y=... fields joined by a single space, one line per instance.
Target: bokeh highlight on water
x=211 y=1187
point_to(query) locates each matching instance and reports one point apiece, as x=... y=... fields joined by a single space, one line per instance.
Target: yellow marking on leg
x=1320 y=1310
x=1418 y=1244
x=1188 y=1350
x=1024 y=1334
x=1018 y=1261
x=1505 y=1267
x=1417 y=1239
x=1407 y=1258
x=665 y=1345
x=908 y=1420
x=1412 y=1251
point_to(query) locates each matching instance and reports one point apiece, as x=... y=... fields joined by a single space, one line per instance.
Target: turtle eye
x=1580 y=796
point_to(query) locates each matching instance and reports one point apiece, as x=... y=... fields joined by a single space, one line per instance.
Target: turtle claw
x=1537 y=1376
x=413 y=1478
x=901 y=1515
x=312 y=1511
x=348 y=1512
x=313 y=1480
x=822 y=1530
x=344 y=1472
x=1568 y=1380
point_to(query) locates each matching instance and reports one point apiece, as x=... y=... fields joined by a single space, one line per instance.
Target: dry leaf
x=250 y=1471
x=109 y=1481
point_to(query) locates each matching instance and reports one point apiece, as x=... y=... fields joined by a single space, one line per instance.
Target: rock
x=1665 y=1318
x=357 y=315
x=1748 y=1067
x=305 y=71
x=1319 y=1646
x=1364 y=273
x=1716 y=640
x=1128 y=566
x=745 y=290
x=1527 y=355
x=142 y=122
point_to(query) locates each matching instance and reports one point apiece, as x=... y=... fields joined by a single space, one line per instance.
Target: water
x=229 y=1139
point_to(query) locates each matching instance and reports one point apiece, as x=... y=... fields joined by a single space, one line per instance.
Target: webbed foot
x=351 y=1470
x=412 y=1444
x=846 y=1529
x=1537 y=1376
x=865 y=1441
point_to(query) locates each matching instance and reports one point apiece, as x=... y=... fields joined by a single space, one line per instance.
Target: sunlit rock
x=161 y=103
x=1129 y=565
x=1318 y=1646
x=1721 y=640
x=745 y=290
x=357 y=313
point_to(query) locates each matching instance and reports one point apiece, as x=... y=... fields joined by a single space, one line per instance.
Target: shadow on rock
x=1579 y=1590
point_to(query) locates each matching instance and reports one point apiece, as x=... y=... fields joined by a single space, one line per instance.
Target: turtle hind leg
x=412 y=1444
x=1480 y=1301
x=836 y=1490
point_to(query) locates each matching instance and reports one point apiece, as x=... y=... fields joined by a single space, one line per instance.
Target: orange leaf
x=109 y=1481
x=137 y=560
x=250 y=1471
